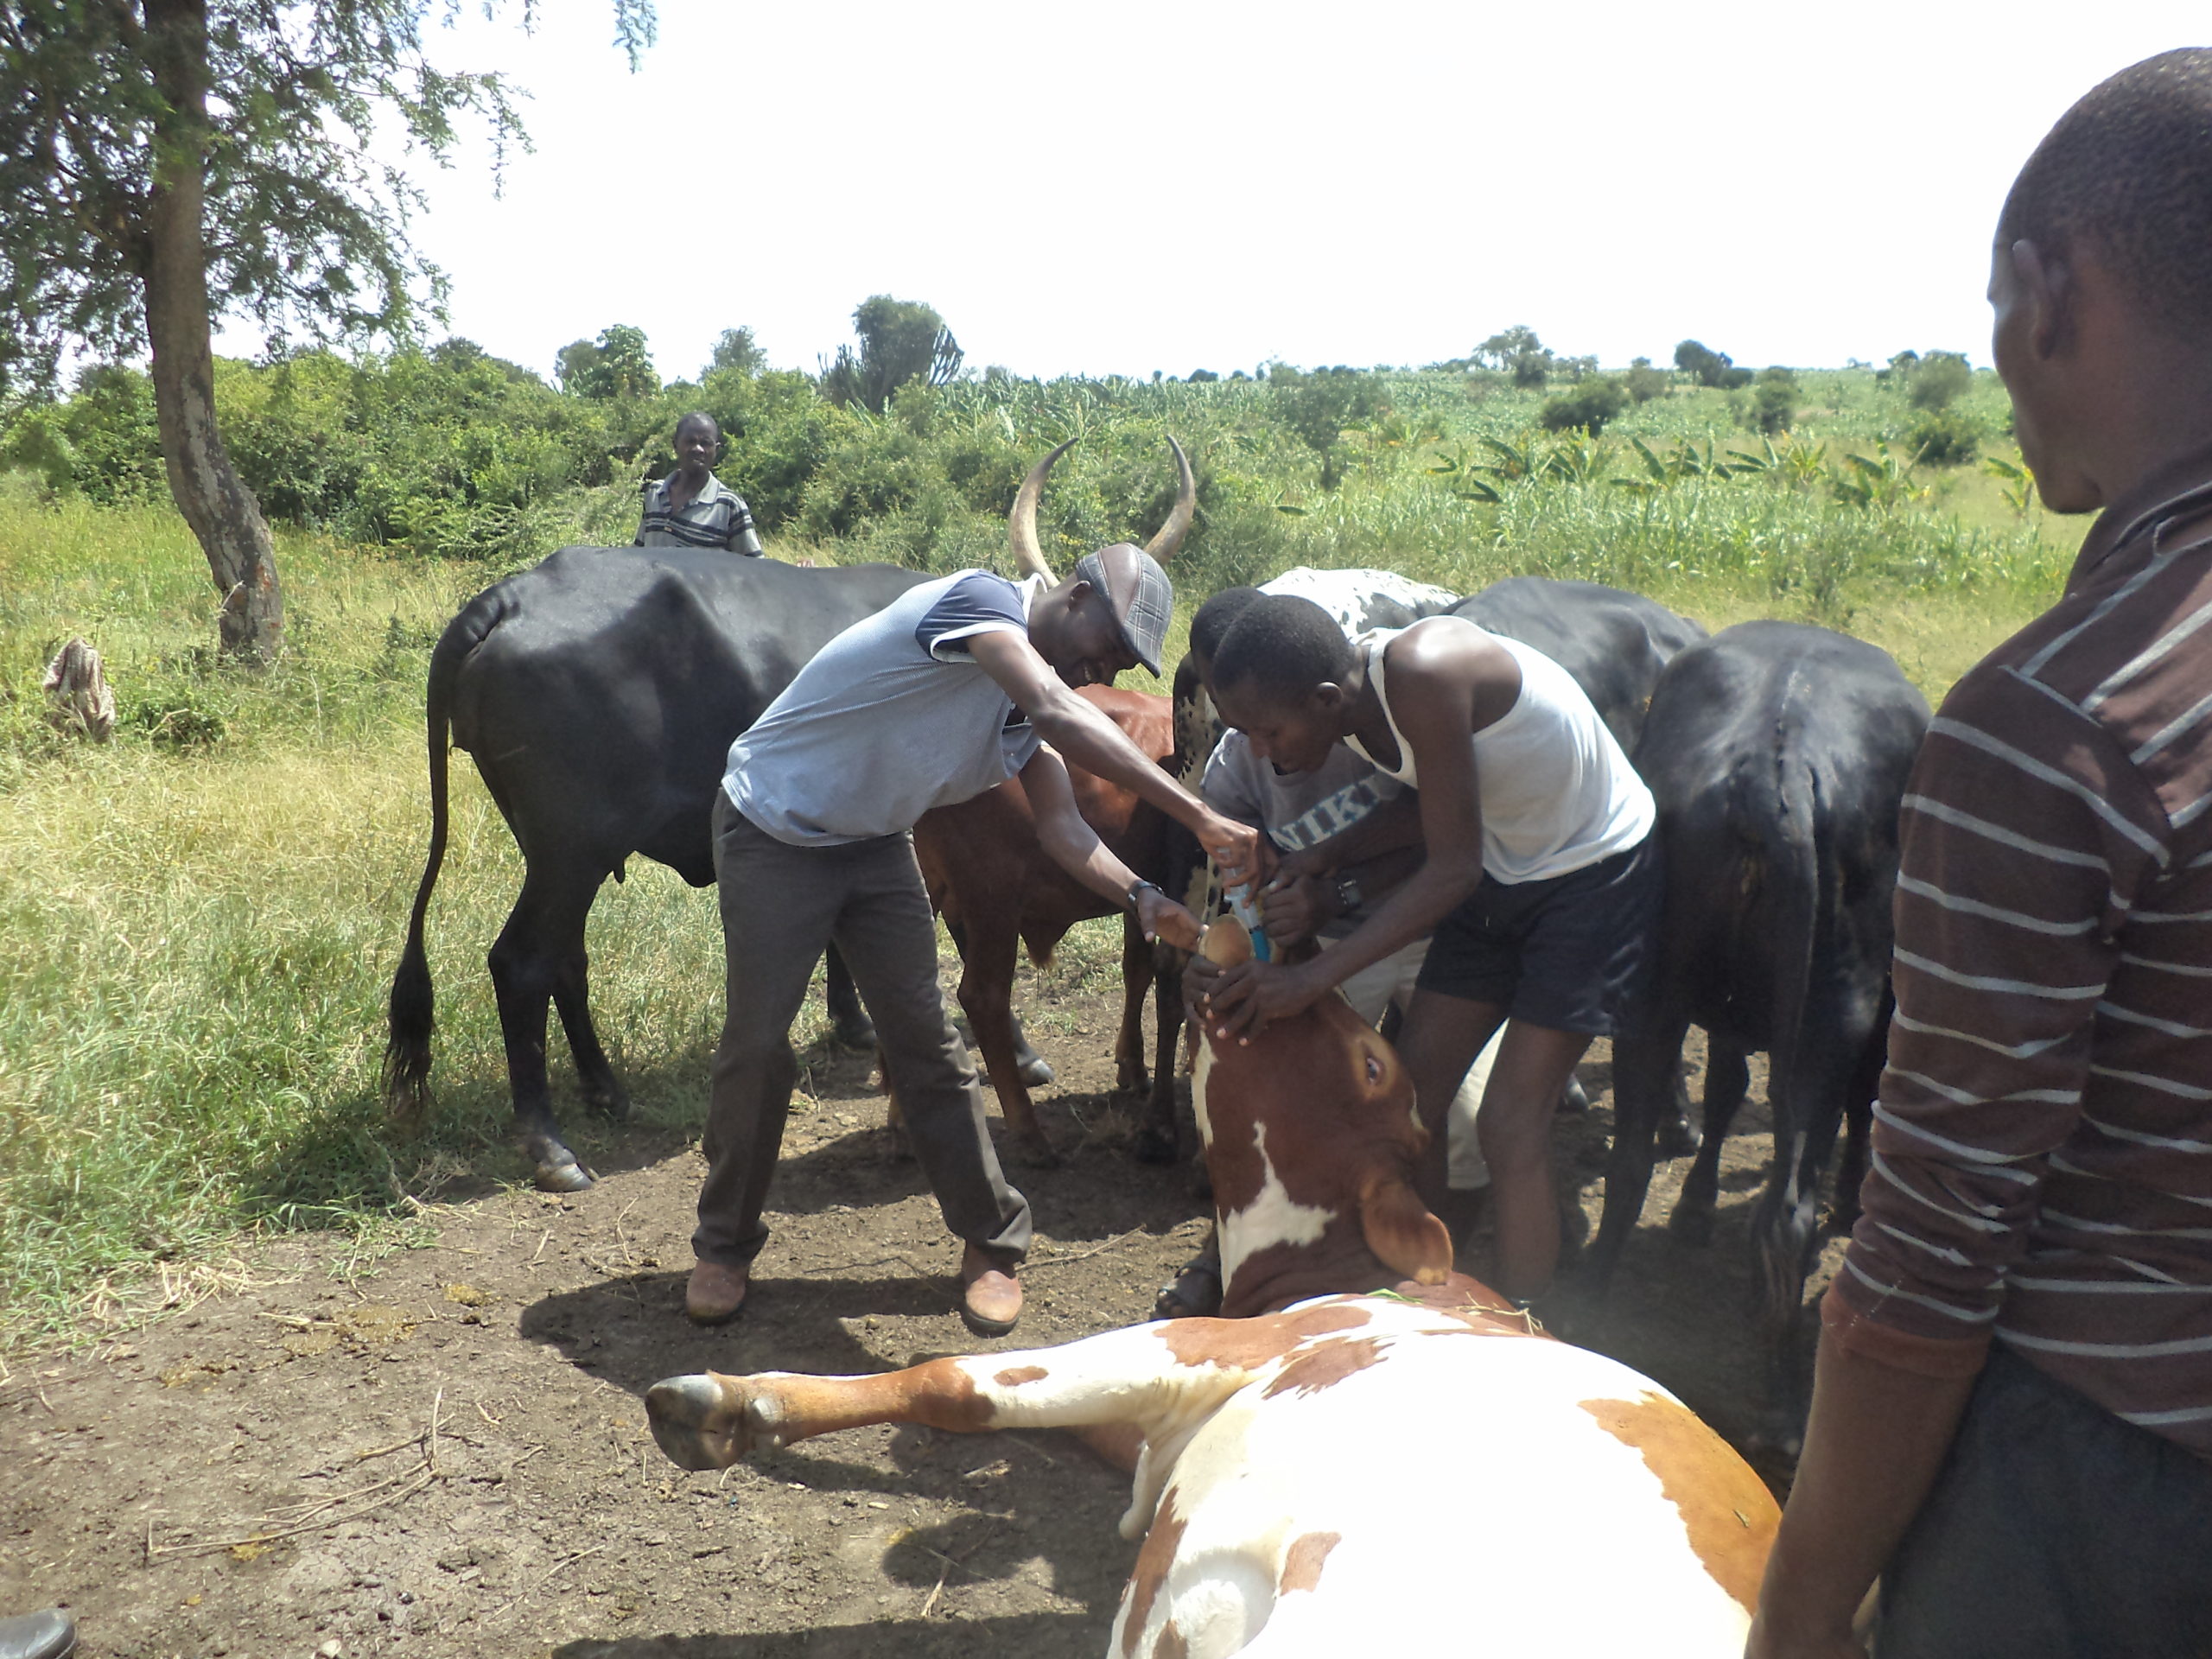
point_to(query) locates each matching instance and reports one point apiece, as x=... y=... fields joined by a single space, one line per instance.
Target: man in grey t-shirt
x=957 y=686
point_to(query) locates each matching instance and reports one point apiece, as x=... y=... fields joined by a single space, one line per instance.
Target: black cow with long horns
x=599 y=693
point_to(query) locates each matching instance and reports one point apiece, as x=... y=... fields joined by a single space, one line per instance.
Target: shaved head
x=2128 y=171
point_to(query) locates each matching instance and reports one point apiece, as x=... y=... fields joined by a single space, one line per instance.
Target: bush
x=1943 y=437
x=1937 y=379
x=1773 y=400
x=1589 y=404
x=1645 y=382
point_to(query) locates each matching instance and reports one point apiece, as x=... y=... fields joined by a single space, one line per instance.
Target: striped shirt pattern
x=716 y=516
x=2041 y=1170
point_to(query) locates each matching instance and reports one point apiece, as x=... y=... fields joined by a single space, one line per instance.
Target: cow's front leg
x=1129 y=1376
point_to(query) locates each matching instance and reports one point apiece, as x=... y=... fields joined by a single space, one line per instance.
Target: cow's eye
x=1374 y=1068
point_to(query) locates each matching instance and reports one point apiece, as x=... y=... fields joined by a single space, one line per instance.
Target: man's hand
x=1295 y=908
x=1243 y=999
x=1163 y=919
x=1765 y=1644
x=1240 y=852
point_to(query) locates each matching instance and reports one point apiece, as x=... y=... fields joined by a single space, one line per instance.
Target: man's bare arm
x=1069 y=839
x=1084 y=736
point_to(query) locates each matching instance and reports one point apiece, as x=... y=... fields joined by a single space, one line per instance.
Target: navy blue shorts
x=1568 y=953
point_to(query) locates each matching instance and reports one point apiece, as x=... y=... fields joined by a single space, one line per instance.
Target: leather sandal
x=990 y=1296
x=715 y=1294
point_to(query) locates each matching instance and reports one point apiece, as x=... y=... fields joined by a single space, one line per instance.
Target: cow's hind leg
x=602 y=1087
x=849 y=1024
x=1727 y=1080
x=542 y=941
x=1645 y=1066
x=1136 y=981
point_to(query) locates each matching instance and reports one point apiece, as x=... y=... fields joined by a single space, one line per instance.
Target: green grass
x=200 y=919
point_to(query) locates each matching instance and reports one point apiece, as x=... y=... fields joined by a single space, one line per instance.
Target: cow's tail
x=412 y=1014
x=1796 y=867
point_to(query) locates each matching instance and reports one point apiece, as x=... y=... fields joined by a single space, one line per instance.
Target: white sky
x=1120 y=188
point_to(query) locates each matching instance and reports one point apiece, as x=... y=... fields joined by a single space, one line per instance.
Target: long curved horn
x=1021 y=522
x=1162 y=546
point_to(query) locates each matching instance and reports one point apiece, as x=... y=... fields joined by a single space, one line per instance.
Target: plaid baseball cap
x=1142 y=609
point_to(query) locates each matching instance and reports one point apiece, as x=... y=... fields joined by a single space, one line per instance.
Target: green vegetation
x=201 y=917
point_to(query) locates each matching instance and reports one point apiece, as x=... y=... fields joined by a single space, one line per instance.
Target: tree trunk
x=215 y=502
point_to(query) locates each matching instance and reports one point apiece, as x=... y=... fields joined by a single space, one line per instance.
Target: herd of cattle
x=599 y=694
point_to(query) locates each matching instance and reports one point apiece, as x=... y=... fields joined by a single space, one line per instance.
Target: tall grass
x=198 y=921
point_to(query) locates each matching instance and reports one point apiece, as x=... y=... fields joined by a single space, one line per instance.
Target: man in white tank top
x=1539 y=879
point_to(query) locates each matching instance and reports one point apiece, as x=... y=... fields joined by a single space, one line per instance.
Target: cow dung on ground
x=251 y=1473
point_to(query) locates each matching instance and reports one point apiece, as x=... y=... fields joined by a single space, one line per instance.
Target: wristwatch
x=1349 y=896
x=1136 y=888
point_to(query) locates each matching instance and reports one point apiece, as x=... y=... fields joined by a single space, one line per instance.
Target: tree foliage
x=900 y=340
x=1644 y=382
x=1518 y=352
x=1937 y=380
x=1321 y=405
x=1773 y=400
x=615 y=366
x=1708 y=368
x=738 y=351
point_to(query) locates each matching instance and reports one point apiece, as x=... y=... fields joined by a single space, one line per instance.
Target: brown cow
x=1421 y=1466
x=996 y=888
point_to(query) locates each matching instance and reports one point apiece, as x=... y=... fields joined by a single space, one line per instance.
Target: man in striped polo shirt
x=691 y=507
x=2011 y=1418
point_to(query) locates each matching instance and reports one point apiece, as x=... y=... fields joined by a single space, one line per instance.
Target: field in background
x=198 y=921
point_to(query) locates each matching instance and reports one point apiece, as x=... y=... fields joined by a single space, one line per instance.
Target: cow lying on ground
x=1777 y=753
x=1421 y=1466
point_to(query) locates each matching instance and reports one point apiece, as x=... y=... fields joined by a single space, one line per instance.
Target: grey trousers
x=2055 y=1531
x=781 y=906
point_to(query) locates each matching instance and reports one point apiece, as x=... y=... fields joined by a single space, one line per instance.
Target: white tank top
x=1557 y=794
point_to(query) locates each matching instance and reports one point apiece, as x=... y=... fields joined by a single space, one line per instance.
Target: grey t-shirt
x=891 y=718
x=1296 y=809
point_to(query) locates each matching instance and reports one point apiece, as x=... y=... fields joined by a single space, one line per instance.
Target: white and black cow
x=1419 y=1466
x=1777 y=753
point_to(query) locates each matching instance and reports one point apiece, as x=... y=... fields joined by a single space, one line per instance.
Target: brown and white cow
x=1418 y=1466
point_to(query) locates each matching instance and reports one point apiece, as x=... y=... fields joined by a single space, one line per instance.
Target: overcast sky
x=1117 y=189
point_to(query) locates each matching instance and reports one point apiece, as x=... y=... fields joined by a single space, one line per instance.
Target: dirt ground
x=442 y=1449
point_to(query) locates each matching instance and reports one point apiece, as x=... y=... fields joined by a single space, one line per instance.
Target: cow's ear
x=1226 y=942
x=1401 y=1231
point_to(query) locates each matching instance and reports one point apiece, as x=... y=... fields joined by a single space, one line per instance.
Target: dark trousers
x=2055 y=1531
x=781 y=906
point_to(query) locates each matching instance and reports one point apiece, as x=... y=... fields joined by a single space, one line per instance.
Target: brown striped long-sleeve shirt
x=2042 y=1142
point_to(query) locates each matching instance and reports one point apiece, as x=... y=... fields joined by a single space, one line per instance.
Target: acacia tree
x=166 y=162
x=900 y=340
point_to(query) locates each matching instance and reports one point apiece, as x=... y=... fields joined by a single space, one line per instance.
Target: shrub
x=1773 y=400
x=1518 y=352
x=1645 y=382
x=1589 y=404
x=1943 y=437
x=1937 y=379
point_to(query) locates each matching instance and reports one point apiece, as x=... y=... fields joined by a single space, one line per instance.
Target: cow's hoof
x=707 y=1421
x=554 y=1168
x=1574 y=1097
x=1033 y=1151
x=1154 y=1146
x=1839 y=1221
x=853 y=1034
x=1692 y=1225
x=1037 y=1072
x=1678 y=1137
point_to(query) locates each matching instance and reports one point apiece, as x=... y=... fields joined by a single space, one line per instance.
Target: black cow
x=1777 y=753
x=1614 y=642
x=599 y=693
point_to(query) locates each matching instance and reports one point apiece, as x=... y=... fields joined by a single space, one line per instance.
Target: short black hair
x=698 y=417
x=1215 y=617
x=1282 y=647
x=2129 y=170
